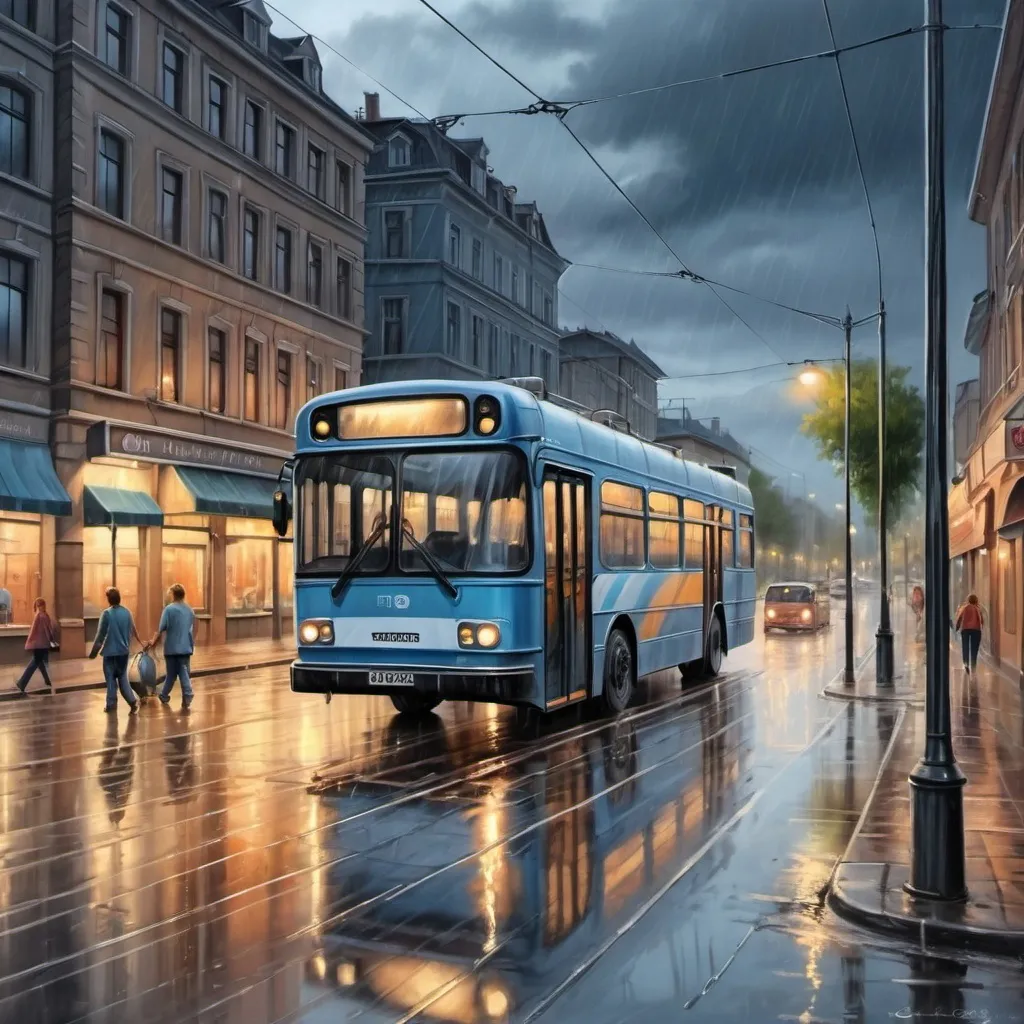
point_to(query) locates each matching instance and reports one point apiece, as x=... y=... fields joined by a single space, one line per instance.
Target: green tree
x=776 y=523
x=904 y=436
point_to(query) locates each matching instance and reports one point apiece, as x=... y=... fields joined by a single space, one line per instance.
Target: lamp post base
x=938 y=868
x=884 y=657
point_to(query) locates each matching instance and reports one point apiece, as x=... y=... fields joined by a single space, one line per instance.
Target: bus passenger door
x=712 y=566
x=566 y=587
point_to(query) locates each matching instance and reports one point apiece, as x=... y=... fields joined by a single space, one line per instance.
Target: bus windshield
x=466 y=508
x=789 y=595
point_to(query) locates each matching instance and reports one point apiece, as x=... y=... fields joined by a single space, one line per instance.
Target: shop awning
x=28 y=481
x=217 y=493
x=112 y=506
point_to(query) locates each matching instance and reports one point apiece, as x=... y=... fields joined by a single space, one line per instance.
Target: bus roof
x=527 y=417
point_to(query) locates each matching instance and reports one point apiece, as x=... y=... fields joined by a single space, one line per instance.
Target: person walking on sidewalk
x=970 y=622
x=917 y=604
x=114 y=636
x=41 y=639
x=177 y=624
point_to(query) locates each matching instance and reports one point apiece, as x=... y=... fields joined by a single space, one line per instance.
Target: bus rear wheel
x=619 y=673
x=713 y=654
x=414 y=703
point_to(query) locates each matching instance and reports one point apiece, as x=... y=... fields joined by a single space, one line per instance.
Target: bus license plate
x=392 y=679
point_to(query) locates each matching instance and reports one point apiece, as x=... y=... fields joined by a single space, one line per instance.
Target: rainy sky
x=751 y=180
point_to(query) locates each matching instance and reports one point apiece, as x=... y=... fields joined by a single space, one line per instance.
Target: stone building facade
x=207 y=269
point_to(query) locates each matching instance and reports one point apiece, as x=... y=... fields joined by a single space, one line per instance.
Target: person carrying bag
x=42 y=638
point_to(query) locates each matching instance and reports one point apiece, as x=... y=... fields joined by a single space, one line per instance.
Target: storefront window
x=20 y=578
x=249 y=557
x=184 y=561
x=97 y=568
x=286 y=574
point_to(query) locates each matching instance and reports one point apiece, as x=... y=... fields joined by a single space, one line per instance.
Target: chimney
x=372 y=106
x=716 y=425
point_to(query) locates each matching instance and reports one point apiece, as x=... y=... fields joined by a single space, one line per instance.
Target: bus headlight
x=314 y=631
x=479 y=634
x=494 y=999
x=806 y=615
x=321 y=426
x=770 y=613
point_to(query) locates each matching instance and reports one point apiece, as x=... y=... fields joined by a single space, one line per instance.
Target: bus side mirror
x=282 y=513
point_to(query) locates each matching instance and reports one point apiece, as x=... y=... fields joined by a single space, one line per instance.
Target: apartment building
x=207 y=278
x=986 y=506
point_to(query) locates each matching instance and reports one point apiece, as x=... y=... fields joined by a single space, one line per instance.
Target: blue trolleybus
x=474 y=541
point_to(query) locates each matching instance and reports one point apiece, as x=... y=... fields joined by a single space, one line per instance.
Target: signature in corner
x=908 y=1014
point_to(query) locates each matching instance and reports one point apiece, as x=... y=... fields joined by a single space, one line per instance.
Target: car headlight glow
x=806 y=615
x=314 y=631
x=771 y=613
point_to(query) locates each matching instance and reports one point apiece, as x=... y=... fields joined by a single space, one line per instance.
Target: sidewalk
x=988 y=740
x=72 y=674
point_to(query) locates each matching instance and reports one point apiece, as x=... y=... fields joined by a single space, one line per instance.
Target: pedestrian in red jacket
x=970 y=622
x=41 y=639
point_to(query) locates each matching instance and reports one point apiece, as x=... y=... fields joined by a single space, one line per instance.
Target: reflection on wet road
x=271 y=858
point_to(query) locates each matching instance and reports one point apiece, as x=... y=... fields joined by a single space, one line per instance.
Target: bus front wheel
x=414 y=703
x=619 y=672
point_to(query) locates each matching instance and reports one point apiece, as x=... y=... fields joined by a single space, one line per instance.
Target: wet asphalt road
x=268 y=858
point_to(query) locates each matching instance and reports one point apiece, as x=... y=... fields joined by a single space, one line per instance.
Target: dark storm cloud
x=538 y=27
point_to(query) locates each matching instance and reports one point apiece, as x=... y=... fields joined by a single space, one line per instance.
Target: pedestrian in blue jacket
x=114 y=636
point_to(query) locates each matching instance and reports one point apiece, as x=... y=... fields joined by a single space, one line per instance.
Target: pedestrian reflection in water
x=117 y=766
x=475 y=887
x=178 y=759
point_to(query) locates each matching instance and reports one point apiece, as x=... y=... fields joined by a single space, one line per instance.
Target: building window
x=183 y=560
x=22 y=12
x=549 y=314
x=316 y=171
x=252 y=141
x=492 y=349
x=513 y=355
x=478 y=259
x=454 y=333
x=216 y=107
x=172 y=188
x=499 y=274
x=216 y=228
x=394 y=234
x=314 y=381
x=342 y=185
x=477 y=340
x=622 y=526
x=343 y=286
x=97 y=568
x=284 y=150
x=110 y=354
x=283 y=391
x=173 y=77
x=20 y=563
x=117 y=39
x=398 y=152
x=255 y=31
x=315 y=275
x=393 y=326
x=514 y=294
x=111 y=174
x=217 y=344
x=251 y=244
x=545 y=369
x=170 y=354
x=283 y=261
x=251 y=398
x=14 y=131
x=13 y=311
x=249 y=562
x=1008 y=560
x=454 y=245
x=340 y=378
x=314 y=75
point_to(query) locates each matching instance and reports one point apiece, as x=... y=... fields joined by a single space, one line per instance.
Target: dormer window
x=255 y=31
x=479 y=179
x=313 y=75
x=398 y=152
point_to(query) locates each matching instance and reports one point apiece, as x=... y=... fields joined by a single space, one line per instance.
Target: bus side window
x=622 y=526
x=745 y=558
x=693 y=553
x=664 y=531
x=728 y=541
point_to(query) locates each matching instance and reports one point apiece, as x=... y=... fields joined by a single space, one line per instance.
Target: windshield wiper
x=432 y=564
x=380 y=527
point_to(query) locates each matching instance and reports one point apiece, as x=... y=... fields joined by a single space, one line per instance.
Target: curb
x=920 y=930
x=13 y=694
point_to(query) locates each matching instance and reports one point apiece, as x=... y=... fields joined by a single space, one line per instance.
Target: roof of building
x=967 y=390
x=977 y=320
x=280 y=50
x=458 y=155
x=670 y=428
x=630 y=348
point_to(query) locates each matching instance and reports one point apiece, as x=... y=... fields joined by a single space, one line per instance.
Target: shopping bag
x=142 y=674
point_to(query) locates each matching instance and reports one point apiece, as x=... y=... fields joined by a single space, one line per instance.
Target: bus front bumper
x=515 y=685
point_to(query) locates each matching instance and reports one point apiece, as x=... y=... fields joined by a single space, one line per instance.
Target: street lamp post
x=938 y=869
x=884 y=657
x=848 y=668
